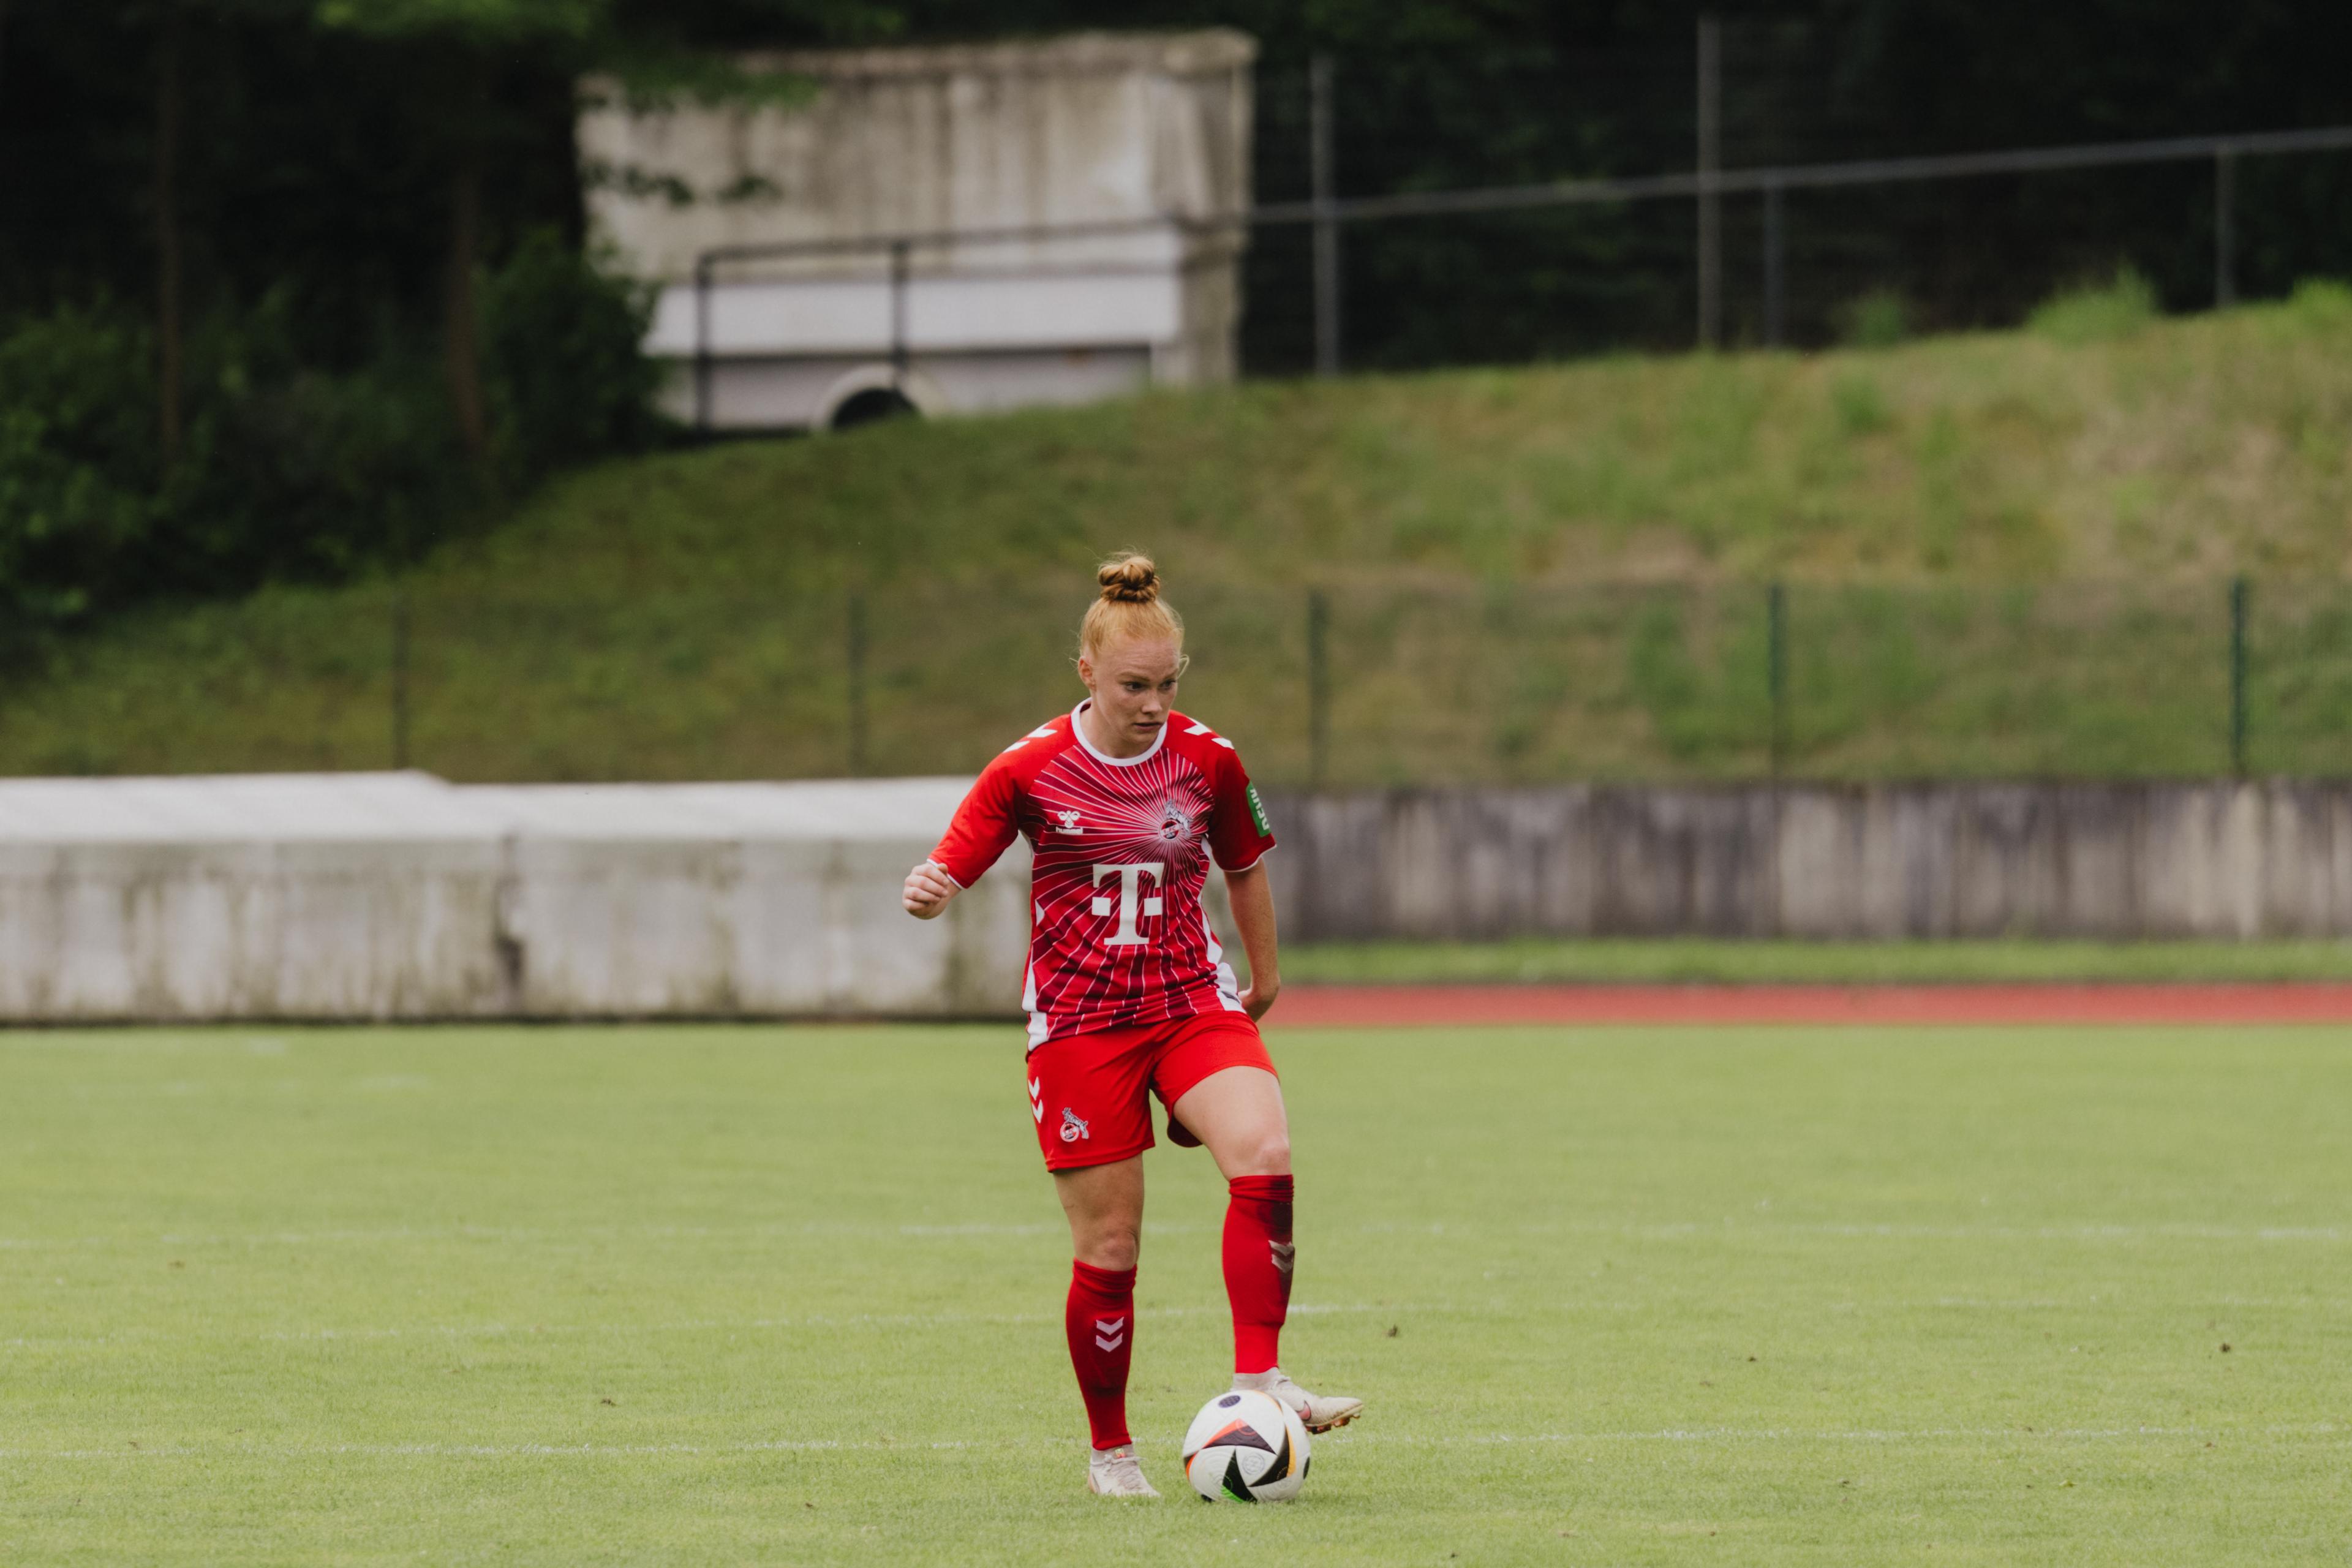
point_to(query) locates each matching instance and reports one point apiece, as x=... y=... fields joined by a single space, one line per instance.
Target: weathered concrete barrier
x=2115 y=861
x=398 y=896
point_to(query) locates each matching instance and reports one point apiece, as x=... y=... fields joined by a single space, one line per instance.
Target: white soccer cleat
x=1317 y=1412
x=1113 y=1472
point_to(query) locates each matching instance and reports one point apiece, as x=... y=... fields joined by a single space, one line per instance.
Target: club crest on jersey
x=1069 y=824
x=1072 y=1128
x=1175 y=826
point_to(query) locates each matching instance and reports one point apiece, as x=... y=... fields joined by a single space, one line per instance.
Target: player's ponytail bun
x=1130 y=608
x=1130 y=580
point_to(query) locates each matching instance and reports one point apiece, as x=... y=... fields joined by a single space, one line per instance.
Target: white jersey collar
x=1078 y=733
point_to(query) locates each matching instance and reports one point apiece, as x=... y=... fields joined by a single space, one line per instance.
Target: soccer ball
x=1246 y=1446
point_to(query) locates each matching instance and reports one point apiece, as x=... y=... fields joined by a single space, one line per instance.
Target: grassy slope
x=776 y=1296
x=1487 y=534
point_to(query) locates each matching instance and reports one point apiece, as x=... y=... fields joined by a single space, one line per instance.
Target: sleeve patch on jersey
x=1257 y=814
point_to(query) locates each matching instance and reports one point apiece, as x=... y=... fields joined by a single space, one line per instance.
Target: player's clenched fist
x=929 y=890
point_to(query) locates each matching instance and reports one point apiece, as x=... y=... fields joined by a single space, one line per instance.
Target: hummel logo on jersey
x=1282 y=1255
x=1109 y=1333
x=1038 y=1101
x=1072 y=1128
x=1069 y=824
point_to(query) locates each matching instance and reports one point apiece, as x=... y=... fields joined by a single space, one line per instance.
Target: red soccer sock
x=1257 y=1268
x=1100 y=1322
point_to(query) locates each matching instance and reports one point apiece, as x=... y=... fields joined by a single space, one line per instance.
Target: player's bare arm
x=1252 y=901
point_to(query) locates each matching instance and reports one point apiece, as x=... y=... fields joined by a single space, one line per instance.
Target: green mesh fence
x=1394 y=681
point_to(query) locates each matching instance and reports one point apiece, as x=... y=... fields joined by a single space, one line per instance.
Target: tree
x=458 y=45
x=171 y=27
x=454 y=45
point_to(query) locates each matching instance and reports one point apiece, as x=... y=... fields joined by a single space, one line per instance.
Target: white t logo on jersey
x=1131 y=902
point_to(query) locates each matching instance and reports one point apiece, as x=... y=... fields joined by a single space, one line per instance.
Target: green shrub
x=78 y=476
x=312 y=476
x=566 y=379
x=286 y=470
x=2097 y=312
x=1878 y=320
x=2322 y=303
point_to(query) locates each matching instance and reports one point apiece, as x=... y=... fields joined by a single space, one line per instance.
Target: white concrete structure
x=397 y=895
x=1149 y=133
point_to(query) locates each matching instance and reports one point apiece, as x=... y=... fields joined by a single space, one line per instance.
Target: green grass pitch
x=794 y=1295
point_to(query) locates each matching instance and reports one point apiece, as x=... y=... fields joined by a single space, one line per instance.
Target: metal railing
x=1326 y=213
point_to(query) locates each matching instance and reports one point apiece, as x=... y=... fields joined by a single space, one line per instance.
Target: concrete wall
x=396 y=896
x=2110 y=861
x=1092 y=129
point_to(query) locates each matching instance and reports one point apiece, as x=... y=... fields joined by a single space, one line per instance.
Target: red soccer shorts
x=1091 y=1094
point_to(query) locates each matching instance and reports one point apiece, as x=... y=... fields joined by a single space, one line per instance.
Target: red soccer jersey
x=1117 y=933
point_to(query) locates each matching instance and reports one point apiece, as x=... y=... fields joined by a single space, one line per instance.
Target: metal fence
x=1392 y=680
x=1749 y=191
x=1715 y=200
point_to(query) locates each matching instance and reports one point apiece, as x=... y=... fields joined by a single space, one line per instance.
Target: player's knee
x=1111 y=1246
x=1269 y=1153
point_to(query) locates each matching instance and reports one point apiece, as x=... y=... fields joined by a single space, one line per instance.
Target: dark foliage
x=313 y=201
x=290 y=470
x=559 y=349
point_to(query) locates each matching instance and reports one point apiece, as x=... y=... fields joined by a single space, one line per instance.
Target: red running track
x=1358 y=1006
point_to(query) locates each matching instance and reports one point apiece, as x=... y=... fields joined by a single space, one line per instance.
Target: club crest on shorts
x=1072 y=1128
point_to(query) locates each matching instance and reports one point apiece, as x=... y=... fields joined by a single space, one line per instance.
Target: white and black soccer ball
x=1246 y=1446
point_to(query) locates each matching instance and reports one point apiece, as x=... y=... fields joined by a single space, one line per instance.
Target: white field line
x=564 y=1236
x=1733 y=1226
x=1726 y=1436
x=1728 y=1227
x=686 y=1326
x=1422 y=1311
x=495 y=1450
x=2322 y=1429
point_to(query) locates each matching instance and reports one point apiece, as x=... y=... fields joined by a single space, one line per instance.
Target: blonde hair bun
x=1128 y=580
x=1131 y=607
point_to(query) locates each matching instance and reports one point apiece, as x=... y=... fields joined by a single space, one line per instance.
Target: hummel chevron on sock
x=1257 y=1268
x=1100 y=1322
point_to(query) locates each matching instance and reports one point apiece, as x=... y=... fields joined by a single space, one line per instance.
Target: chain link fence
x=1865 y=258
x=1386 y=681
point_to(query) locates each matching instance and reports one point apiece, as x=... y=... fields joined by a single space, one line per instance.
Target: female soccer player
x=1126 y=801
